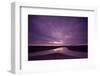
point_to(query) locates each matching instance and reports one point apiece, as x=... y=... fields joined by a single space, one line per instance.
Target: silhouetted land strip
x=33 y=49
x=82 y=48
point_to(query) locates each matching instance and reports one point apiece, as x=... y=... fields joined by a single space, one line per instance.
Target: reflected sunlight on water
x=58 y=49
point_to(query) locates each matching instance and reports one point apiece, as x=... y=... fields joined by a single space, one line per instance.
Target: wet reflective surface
x=57 y=52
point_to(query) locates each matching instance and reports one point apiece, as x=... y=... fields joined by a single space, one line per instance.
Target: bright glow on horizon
x=56 y=42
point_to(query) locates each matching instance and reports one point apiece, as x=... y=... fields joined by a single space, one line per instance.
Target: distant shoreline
x=57 y=44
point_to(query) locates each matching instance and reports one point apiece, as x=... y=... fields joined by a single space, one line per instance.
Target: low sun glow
x=56 y=42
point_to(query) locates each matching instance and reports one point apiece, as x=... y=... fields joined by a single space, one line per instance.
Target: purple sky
x=43 y=29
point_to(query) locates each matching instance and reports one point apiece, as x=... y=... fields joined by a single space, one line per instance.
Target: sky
x=69 y=30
